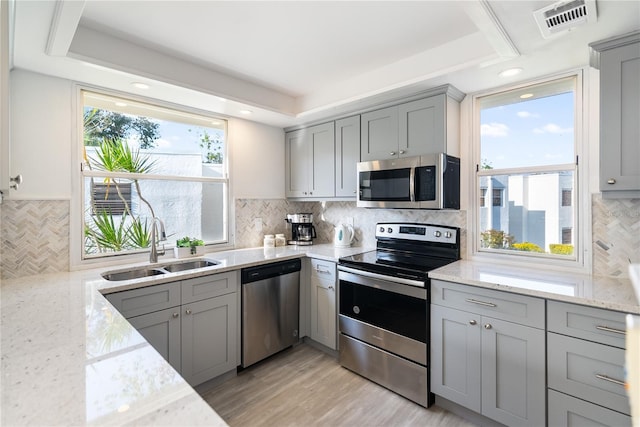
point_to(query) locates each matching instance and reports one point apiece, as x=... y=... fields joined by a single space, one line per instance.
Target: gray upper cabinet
x=423 y=126
x=309 y=162
x=379 y=134
x=619 y=62
x=347 y=155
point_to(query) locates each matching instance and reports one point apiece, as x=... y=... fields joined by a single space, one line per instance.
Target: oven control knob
x=382 y=229
x=389 y=230
x=447 y=234
x=356 y=309
x=437 y=233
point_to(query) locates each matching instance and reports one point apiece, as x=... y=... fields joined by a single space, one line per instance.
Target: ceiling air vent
x=564 y=15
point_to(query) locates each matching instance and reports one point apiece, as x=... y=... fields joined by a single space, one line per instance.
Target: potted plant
x=188 y=246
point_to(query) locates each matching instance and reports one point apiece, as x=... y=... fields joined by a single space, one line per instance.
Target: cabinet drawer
x=209 y=286
x=515 y=308
x=146 y=300
x=568 y=411
x=589 y=323
x=324 y=270
x=590 y=371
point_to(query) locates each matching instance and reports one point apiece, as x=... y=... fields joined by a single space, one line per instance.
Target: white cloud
x=553 y=128
x=494 y=129
x=527 y=114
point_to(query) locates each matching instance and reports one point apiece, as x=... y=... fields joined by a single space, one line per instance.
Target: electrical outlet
x=257 y=224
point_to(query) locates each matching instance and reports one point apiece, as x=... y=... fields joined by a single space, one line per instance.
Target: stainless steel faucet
x=153 y=254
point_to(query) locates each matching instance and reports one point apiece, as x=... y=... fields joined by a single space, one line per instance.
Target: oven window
x=397 y=313
x=385 y=185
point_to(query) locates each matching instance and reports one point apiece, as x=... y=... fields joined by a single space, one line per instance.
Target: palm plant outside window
x=144 y=161
x=526 y=170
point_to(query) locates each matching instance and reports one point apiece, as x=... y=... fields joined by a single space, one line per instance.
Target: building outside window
x=527 y=163
x=144 y=161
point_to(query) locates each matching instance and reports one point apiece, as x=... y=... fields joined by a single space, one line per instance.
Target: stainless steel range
x=384 y=305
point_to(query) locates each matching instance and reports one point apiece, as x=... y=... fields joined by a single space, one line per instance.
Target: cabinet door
x=321 y=167
x=379 y=134
x=208 y=338
x=162 y=330
x=323 y=303
x=347 y=156
x=296 y=164
x=422 y=126
x=619 y=124
x=4 y=97
x=455 y=356
x=513 y=373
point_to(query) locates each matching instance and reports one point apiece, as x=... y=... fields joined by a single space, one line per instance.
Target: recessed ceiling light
x=246 y=112
x=121 y=104
x=526 y=95
x=140 y=85
x=510 y=72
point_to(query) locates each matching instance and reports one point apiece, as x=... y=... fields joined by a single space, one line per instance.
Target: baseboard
x=323 y=348
x=214 y=382
x=465 y=413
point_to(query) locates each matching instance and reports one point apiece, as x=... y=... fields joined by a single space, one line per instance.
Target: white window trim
x=582 y=194
x=76 y=260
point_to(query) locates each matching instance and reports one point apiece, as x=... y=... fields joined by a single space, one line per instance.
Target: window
x=144 y=161
x=527 y=163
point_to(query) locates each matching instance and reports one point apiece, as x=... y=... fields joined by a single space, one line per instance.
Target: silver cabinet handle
x=393 y=153
x=609 y=379
x=402 y=151
x=611 y=181
x=472 y=322
x=330 y=287
x=188 y=311
x=487 y=326
x=319 y=270
x=608 y=329
x=475 y=301
x=176 y=315
x=17 y=180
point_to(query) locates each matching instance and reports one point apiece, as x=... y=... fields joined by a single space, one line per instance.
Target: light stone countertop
x=69 y=358
x=602 y=292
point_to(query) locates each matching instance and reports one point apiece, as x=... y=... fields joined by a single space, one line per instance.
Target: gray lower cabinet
x=585 y=366
x=191 y=323
x=162 y=330
x=323 y=303
x=569 y=411
x=481 y=361
x=619 y=62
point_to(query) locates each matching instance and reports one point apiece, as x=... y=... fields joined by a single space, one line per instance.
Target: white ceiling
x=293 y=62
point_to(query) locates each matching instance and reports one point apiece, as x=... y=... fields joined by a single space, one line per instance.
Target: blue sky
x=529 y=133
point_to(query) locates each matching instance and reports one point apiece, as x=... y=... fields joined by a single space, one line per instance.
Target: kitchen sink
x=133 y=274
x=190 y=265
x=140 y=272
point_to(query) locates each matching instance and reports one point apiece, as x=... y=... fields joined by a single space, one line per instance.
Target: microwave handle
x=412 y=184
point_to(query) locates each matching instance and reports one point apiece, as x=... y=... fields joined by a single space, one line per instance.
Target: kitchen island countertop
x=69 y=358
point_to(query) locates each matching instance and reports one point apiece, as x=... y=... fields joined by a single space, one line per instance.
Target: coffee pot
x=343 y=235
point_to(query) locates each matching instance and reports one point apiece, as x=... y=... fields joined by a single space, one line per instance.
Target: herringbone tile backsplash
x=616 y=235
x=35 y=237
x=35 y=233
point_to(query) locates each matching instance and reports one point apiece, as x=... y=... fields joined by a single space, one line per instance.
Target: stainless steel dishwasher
x=270 y=309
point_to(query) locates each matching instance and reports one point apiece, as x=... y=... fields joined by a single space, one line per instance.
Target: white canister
x=281 y=240
x=269 y=241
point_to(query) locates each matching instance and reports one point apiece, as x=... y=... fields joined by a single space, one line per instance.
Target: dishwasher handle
x=267 y=271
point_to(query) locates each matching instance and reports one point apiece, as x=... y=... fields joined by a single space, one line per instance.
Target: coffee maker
x=302 y=230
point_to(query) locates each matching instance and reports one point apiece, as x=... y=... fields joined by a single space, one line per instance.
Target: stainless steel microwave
x=421 y=182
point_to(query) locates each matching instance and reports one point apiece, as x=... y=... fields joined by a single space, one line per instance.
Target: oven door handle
x=385 y=283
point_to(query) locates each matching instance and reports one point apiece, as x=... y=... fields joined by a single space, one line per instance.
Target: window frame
x=581 y=195
x=78 y=259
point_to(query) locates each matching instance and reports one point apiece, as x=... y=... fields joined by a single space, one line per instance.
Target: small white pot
x=182 y=252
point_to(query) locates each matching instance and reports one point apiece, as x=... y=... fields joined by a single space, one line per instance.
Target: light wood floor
x=306 y=387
